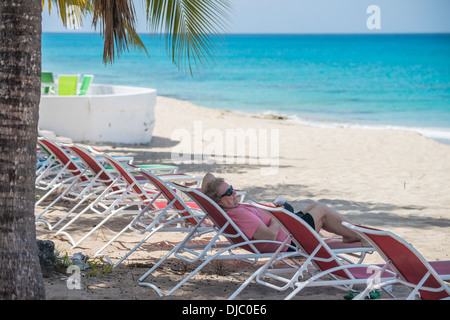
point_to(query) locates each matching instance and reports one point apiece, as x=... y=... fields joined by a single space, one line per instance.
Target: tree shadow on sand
x=369 y=213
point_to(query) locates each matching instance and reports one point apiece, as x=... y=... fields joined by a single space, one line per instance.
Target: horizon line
x=281 y=33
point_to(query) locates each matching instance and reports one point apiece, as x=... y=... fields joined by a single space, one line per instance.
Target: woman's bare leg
x=331 y=221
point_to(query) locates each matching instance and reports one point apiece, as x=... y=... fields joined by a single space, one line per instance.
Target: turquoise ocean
x=368 y=81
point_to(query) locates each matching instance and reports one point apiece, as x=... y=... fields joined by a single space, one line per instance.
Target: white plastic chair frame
x=58 y=172
x=298 y=281
x=135 y=193
x=215 y=249
x=101 y=183
x=168 y=219
x=416 y=262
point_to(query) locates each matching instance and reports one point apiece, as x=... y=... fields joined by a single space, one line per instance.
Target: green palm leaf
x=117 y=20
x=70 y=11
x=192 y=28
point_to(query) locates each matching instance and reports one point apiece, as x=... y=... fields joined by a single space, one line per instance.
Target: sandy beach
x=389 y=179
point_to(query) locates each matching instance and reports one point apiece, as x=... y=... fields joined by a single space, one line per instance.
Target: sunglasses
x=228 y=193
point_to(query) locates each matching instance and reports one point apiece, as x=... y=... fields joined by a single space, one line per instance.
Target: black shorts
x=305 y=216
x=308 y=219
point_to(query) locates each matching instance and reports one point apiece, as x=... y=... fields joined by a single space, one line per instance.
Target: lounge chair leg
x=67 y=214
x=245 y=284
x=193 y=273
x=136 y=247
x=145 y=275
x=61 y=231
x=95 y=229
x=98 y=253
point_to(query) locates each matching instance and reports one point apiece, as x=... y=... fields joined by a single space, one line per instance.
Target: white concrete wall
x=107 y=114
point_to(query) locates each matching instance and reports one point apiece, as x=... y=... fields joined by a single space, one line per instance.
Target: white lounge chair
x=425 y=279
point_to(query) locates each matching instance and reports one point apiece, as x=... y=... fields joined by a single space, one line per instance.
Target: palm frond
x=70 y=11
x=117 y=20
x=192 y=28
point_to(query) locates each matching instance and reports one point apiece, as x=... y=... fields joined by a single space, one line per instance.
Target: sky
x=315 y=16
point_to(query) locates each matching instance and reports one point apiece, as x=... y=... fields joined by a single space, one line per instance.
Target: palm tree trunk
x=20 y=68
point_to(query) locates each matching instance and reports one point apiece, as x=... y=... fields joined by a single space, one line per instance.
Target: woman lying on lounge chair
x=257 y=225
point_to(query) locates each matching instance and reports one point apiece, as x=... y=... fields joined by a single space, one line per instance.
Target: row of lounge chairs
x=95 y=182
x=113 y=185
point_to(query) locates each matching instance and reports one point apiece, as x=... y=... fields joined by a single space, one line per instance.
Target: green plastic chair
x=67 y=85
x=47 y=77
x=87 y=80
x=47 y=82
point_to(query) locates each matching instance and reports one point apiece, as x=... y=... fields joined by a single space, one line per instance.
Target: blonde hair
x=211 y=189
